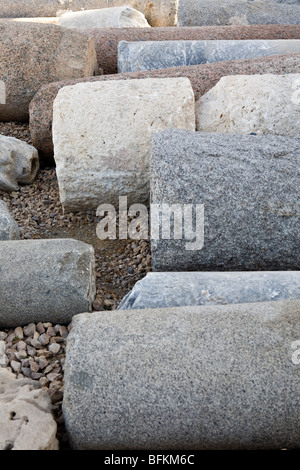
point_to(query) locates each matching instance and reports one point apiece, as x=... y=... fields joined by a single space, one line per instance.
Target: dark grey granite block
x=229 y=12
x=45 y=280
x=210 y=377
x=178 y=289
x=249 y=186
x=152 y=55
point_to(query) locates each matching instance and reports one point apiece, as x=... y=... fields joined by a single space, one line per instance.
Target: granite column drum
x=247 y=187
x=210 y=377
x=45 y=281
x=32 y=55
x=226 y=12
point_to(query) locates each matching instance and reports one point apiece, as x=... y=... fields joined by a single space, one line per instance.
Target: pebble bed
x=38 y=350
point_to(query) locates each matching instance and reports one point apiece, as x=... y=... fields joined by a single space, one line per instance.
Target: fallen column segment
x=32 y=55
x=226 y=12
x=45 y=281
x=107 y=128
x=210 y=377
x=179 y=289
x=202 y=78
x=152 y=55
x=247 y=187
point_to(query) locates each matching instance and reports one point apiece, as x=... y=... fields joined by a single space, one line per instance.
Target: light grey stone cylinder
x=179 y=289
x=9 y=229
x=242 y=194
x=210 y=377
x=231 y=12
x=157 y=12
x=152 y=55
x=45 y=280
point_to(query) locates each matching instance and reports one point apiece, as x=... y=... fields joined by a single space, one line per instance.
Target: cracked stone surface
x=26 y=421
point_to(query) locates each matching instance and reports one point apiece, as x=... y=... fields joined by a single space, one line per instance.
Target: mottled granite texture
x=153 y=55
x=210 y=377
x=250 y=188
x=45 y=280
x=179 y=289
x=225 y=12
x=157 y=12
x=202 y=77
x=32 y=55
x=106 y=40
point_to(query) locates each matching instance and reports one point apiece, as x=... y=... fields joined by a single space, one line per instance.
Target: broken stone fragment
x=19 y=163
x=26 y=420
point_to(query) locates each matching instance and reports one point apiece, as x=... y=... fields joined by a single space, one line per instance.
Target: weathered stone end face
x=102 y=137
x=202 y=78
x=263 y=104
x=44 y=53
x=26 y=420
x=244 y=12
x=179 y=289
x=115 y=17
x=157 y=12
x=55 y=279
x=19 y=163
x=249 y=186
x=213 y=377
x=151 y=55
x=9 y=229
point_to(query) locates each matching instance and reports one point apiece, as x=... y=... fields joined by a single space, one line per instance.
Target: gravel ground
x=119 y=265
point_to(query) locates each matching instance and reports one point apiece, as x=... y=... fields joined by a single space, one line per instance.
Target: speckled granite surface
x=212 y=377
x=223 y=12
x=202 y=77
x=106 y=40
x=32 y=55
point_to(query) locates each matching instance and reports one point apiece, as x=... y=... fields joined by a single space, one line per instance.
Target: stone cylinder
x=157 y=12
x=179 y=289
x=236 y=199
x=227 y=12
x=32 y=55
x=152 y=55
x=211 y=377
x=45 y=280
x=202 y=78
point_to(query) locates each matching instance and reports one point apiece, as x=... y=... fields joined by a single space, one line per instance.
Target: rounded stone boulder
x=19 y=163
